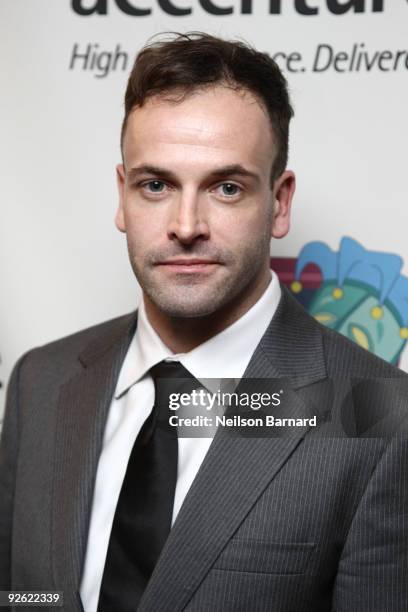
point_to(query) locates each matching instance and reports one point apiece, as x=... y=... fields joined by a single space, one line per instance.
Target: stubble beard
x=197 y=296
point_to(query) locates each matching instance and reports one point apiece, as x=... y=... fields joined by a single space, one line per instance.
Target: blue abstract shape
x=377 y=269
x=321 y=255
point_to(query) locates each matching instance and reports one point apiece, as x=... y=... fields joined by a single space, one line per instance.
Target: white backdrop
x=63 y=264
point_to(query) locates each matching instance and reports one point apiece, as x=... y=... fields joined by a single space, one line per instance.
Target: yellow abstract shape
x=360 y=337
x=377 y=312
x=337 y=293
x=296 y=287
x=325 y=317
x=404 y=333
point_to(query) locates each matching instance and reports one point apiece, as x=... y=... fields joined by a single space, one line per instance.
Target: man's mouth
x=188 y=265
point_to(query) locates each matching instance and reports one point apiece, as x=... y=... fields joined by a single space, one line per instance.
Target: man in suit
x=99 y=501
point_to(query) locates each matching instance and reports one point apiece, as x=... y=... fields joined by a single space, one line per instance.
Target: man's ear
x=283 y=191
x=120 y=213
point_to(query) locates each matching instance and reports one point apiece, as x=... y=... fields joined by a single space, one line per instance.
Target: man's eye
x=229 y=189
x=154 y=186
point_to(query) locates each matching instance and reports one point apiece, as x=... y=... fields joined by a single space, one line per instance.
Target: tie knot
x=169 y=370
x=171 y=379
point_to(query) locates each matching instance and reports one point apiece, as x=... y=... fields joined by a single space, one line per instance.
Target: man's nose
x=188 y=221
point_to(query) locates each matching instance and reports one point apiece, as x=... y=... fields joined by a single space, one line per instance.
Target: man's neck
x=183 y=334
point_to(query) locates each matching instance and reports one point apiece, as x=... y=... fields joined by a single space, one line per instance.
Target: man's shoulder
x=64 y=355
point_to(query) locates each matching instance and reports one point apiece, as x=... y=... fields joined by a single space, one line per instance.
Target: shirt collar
x=225 y=355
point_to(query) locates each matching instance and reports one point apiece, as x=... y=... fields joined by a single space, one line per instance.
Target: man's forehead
x=214 y=118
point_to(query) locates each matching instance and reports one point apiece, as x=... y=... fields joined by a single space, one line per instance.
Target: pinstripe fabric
x=289 y=543
x=8 y=464
x=277 y=525
x=60 y=427
x=75 y=465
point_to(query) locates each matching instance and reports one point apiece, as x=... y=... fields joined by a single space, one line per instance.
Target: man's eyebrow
x=234 y=169
x=222 y=172
x=133 y=173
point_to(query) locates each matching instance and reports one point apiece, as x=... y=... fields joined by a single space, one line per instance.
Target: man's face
x=196 y=200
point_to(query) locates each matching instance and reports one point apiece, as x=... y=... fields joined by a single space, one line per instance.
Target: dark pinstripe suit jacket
x=283 y=524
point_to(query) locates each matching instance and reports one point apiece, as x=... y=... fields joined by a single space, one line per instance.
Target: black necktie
x=144 y=510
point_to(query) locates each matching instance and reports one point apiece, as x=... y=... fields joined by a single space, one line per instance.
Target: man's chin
x=187 y=311
x=188 y=300
x=183 y=307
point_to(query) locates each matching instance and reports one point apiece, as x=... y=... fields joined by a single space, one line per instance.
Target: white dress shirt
x=225 y=355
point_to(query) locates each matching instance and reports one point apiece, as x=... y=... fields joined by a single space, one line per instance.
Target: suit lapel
x=81 y=415
x=236 y=471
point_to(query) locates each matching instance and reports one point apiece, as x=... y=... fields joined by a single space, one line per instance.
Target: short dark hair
x=187 y=62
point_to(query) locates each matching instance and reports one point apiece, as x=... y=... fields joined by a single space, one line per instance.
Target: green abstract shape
x=331 y=311
x=351 y=316
x=386 y=345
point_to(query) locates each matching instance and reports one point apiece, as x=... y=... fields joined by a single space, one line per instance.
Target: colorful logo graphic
x=359 y=293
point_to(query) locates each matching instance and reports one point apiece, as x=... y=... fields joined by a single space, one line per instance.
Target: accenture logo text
x=243 y=7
